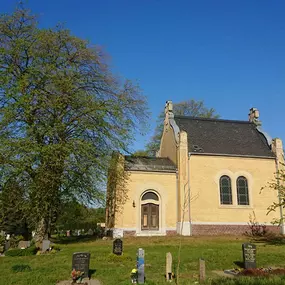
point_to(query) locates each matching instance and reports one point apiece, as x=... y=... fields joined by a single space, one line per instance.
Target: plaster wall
x=164 y=185
x=205 y=173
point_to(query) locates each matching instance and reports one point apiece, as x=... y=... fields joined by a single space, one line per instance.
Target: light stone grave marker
x=202 y=270
x=24 y=244
x=45 y=245
x=169 y=267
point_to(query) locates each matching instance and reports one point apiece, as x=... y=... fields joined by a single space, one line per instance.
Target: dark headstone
x=249 y=255
x=45 y=245
x=24 y=244
x=118 y=246
x=80 y=262
x=140 y=266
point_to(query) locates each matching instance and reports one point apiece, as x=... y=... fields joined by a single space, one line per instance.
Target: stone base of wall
x=133 y=233
x=129 y=233
x=212 y=230
x=171 y=233
x=209 y=230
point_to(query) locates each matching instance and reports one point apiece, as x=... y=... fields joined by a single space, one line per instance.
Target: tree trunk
x=41 y=233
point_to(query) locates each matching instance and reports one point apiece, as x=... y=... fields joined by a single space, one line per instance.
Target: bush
x=255 y=228
x=22 y=252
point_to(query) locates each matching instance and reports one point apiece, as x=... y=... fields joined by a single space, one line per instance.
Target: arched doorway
x=150 y=211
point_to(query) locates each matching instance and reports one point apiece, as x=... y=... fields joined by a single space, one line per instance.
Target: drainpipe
x=280 y=200
x=189 y=198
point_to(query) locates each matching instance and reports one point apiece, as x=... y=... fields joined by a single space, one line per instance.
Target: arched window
x=150 y=196
x=225 y=190
x=242 y=191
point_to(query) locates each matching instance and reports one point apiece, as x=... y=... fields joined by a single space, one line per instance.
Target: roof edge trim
x=175 y=128
x=266 y=135
x=214 y=119
x=156 y=171
x=231 y=155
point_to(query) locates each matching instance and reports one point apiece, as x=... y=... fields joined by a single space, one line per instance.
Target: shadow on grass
x=239 y=263
x=91 y=272
x=73 y=239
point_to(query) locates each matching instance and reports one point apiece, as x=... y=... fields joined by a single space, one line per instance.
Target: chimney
x=168 y=107
x=253 y=116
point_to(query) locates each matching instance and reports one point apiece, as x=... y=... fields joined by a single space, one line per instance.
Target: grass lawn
x=219 y=252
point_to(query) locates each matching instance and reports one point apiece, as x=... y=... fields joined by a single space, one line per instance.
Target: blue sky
x=231 y=54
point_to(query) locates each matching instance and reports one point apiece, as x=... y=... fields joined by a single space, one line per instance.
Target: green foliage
x=77 y=216
x=32 y=250
x=21 y=268
x=12 y=211
x=15 y=239
x=140 y=153
x=186 y=108
x=278 y=185
x=2 y=240
x=62 y=112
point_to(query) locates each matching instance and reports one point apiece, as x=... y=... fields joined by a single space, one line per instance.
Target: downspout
x=280 y=201
x=189 y=196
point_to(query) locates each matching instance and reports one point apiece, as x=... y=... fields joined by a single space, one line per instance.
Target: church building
x=209 y=177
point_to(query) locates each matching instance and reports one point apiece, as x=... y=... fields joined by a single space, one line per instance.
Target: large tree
x=61 y=113
x=13 y=206
x=191 y=108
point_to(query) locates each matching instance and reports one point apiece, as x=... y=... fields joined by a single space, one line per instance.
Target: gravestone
x=80 y=262
x=45 y=245
x=249 y=255
x=140 y=266
x=168 y=266
x=202 y=270
x=24 y=244
x=90 y=232
x=118 y=246
x=7 y=245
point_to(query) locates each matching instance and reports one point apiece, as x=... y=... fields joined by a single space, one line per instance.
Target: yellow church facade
x=208 y=178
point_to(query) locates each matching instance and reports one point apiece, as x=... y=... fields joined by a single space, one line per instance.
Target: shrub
x=22 y=252
x=255 y=228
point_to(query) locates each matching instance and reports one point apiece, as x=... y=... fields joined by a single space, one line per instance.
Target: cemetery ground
x=220 y=253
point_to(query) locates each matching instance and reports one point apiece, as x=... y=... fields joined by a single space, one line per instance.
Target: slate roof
x=215 y=136
x=145 y=163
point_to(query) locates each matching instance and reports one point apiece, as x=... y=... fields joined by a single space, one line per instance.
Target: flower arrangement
x=134 y=276
x=77 y=276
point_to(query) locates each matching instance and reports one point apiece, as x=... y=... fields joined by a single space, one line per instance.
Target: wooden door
x=150 y=217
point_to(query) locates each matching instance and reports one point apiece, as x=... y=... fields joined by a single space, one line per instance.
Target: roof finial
x=253 y=116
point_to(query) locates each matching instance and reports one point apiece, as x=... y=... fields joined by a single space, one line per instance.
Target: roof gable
x=215 y=136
